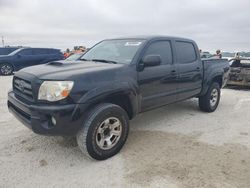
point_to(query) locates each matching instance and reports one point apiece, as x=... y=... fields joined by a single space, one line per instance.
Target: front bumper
x=38 y=118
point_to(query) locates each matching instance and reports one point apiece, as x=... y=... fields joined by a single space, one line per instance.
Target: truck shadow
x=240 y=88
x=167 y=114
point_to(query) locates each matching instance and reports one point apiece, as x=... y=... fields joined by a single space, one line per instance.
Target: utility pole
x=3 y=41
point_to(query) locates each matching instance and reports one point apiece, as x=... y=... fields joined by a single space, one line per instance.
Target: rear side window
x=53 y=51
x=40 y=51
x=162 y=48
x=26 y=52
x=185 y=52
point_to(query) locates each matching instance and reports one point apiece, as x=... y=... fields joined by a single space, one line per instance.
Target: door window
x=161 y=48
x=40 y=51
x=185 y=52
x=26 y=52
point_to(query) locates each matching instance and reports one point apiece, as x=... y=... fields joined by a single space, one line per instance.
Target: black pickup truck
x=95 y=97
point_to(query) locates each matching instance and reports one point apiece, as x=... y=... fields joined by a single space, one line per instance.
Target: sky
x=213 y=24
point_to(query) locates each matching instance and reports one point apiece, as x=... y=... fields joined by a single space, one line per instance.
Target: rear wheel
x=104 y=131
x=6 y=69
x=209 y=102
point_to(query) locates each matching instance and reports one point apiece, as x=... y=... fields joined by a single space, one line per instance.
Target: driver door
x=158 y=83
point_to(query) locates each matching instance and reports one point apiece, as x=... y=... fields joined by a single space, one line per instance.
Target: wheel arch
x=122 y=94
x=215 y=78
x=126 y=100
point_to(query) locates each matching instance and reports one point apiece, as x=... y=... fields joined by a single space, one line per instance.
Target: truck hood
x=62 y=70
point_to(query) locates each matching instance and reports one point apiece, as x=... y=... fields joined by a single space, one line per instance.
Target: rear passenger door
x=158 y=83
x=54 y=55
x=41 y=56
x=189 y=69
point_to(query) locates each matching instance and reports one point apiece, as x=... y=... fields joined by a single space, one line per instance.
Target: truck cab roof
x=153 y=37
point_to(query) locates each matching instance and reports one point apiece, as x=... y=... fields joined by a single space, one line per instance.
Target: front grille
x=23 y=88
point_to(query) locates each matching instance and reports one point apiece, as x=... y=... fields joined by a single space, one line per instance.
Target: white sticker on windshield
x=132 y=43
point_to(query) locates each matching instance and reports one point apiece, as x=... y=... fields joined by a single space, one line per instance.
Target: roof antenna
x=3 y=41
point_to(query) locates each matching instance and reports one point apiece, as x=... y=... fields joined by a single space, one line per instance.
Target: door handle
x=198 y=68
x=173 y=72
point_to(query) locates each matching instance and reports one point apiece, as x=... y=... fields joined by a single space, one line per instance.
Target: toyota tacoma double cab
x=94 y=97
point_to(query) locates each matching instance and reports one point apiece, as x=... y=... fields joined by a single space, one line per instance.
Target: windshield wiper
x=84 y=59
x=104 y=61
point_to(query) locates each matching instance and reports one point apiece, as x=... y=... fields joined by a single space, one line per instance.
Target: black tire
x=6 y=69
x=87 y=136
x=204 y=101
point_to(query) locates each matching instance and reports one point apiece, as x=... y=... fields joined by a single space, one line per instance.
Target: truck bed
x=214 y=67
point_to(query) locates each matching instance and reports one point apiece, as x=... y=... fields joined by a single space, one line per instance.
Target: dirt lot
x=174 y=146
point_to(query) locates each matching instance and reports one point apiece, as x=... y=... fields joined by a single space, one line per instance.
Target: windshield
x=74 y=57
x=16 y=51
x=120 y=51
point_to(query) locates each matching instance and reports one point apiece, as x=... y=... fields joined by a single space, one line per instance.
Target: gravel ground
x=173 y=146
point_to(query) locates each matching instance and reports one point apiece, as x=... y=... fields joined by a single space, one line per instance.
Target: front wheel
x=104 y=132
x=209 y=102
x=6 y=69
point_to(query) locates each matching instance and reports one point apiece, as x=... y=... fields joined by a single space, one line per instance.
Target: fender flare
x=97 y=95
x=208 y=82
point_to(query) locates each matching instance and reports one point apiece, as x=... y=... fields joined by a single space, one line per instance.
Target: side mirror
x=18 y=55
x=151 y=60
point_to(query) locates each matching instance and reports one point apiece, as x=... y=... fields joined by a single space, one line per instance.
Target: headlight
x=54 y=90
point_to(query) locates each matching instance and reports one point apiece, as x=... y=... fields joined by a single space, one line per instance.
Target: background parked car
x=239 y=72
x=205 y=55
x=25 y=57
x=7 y=50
